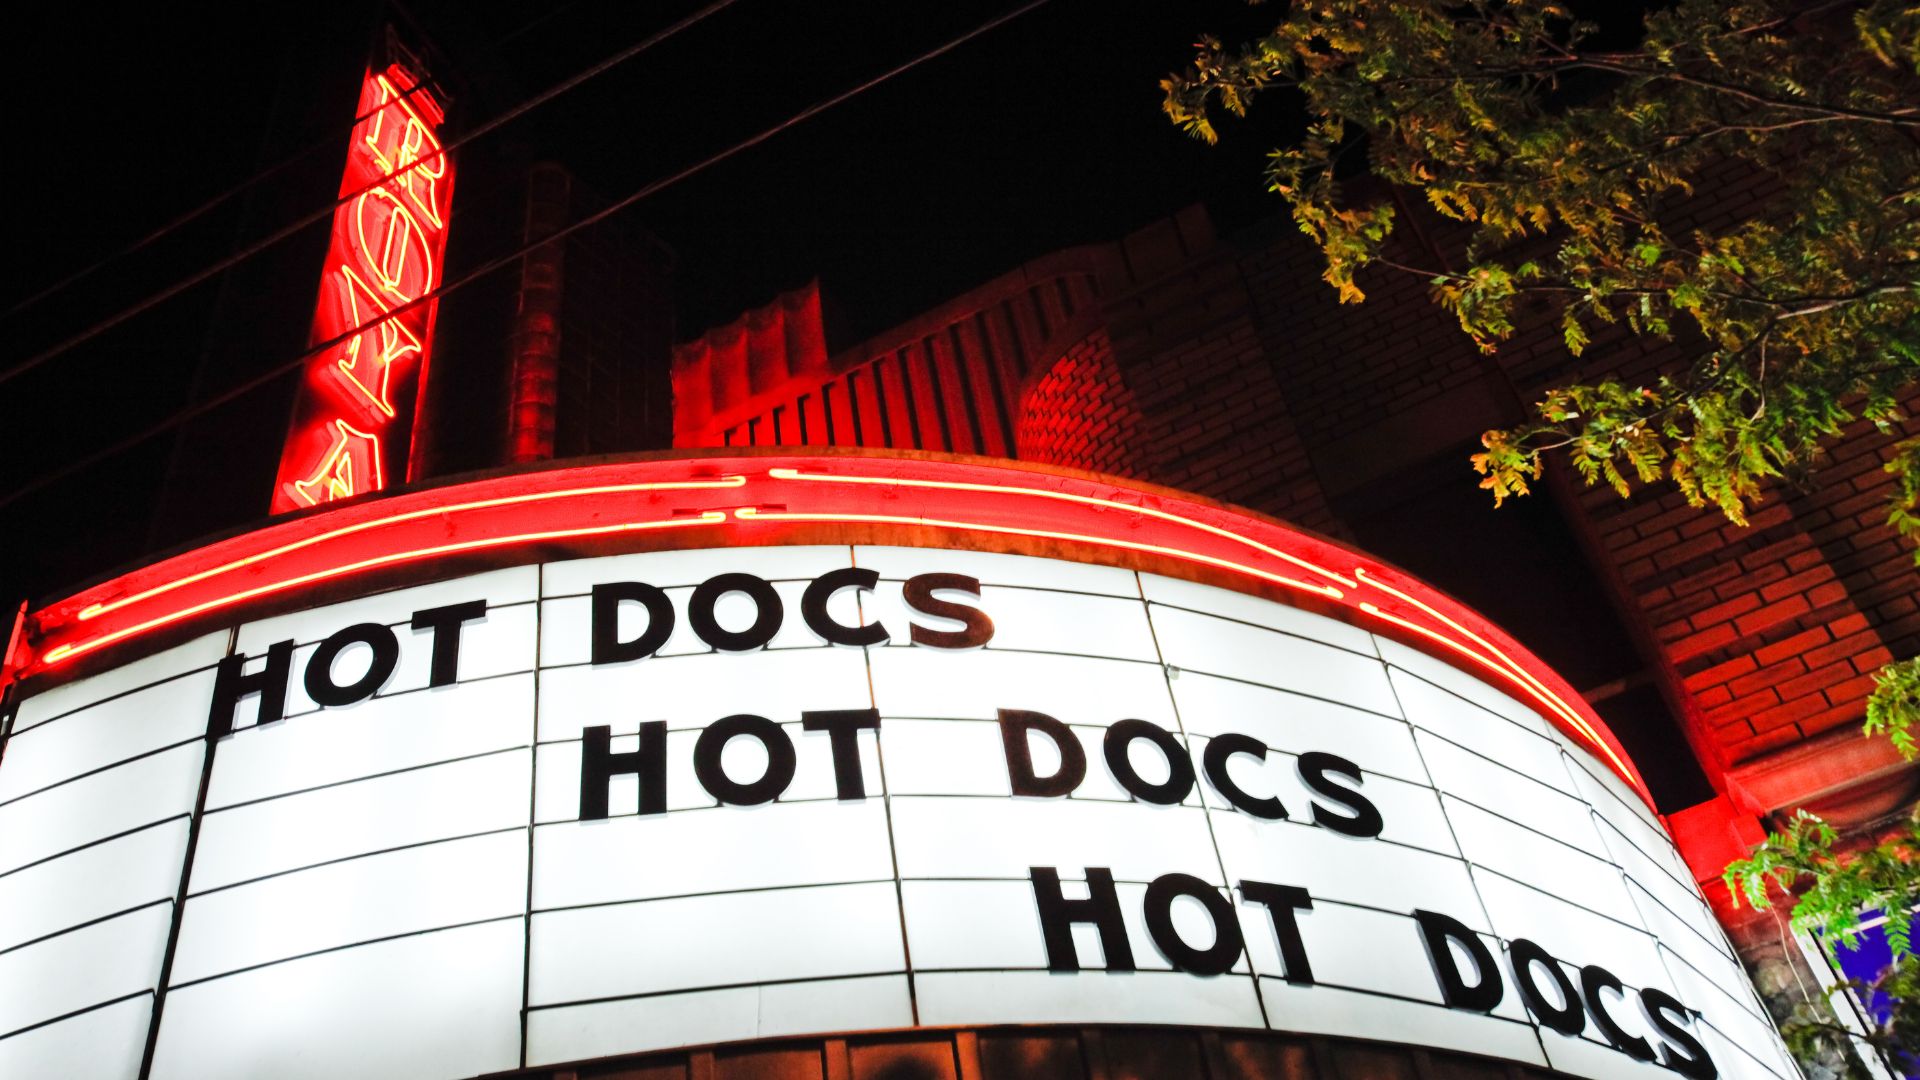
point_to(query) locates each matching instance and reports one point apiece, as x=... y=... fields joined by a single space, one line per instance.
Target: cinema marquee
x=573 y=763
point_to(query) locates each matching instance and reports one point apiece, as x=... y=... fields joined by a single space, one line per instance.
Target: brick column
x=536 y=324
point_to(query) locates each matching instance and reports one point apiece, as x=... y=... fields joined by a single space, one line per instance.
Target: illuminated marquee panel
x=433 y=811
x=352 y=421
x=764 y=498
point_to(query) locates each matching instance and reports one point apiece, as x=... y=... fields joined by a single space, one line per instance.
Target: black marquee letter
x=1567 y=1018
x=1281 y=901
x=1014 y=726
x=1179 y=782
x=1214 y=760
x=713 y=776
x=1315 y=766
x=599 y=765
x=919 y=592
x=1595 y=981
x=230 y=684
x=446 y=622
x=766 y=603
x=1058 y=914
x=1667 y=1016
x=1216 y=959
x=1437 y=929
x=607 y=598
x=843 y=727
x=813 y=607
x=386 y=652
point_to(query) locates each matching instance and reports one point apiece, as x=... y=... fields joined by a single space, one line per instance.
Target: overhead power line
x=330 y=140
x=296 y=363
x=255 y=248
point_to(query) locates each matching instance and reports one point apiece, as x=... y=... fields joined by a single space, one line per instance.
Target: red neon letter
x=351 y=466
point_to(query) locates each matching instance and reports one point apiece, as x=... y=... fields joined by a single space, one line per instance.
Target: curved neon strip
x=1543 y=695
x=1559 y=706
x=1087 y=500
x=92 y=611
x=67 y=652
x=1547 y=699
x=748 y=513
x=1091 y=519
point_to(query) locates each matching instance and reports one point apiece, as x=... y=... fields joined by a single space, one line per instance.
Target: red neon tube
x=747 y=499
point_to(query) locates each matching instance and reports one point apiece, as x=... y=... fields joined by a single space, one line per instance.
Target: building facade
x=1111 y=672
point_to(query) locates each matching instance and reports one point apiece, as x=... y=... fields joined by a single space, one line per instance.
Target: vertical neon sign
x=353 y=419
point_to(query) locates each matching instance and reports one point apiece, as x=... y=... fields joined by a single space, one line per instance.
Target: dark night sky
x=1044 y=133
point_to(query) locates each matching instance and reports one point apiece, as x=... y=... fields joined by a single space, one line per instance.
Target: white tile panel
x=1590 y=1056
x=1570 y=932
x=112 y=731
x=1684 y=947
x=1337 y=867
x=1144 y=997
x=1492 y=785
x=1002 y=838
x=751 y=1012
x=82 y=968
x=122 y=798
x=1293 y=722
x=1546 y=864
x=372 y=737
x=120 y=874
x=499 y=643
x=696 y=851
x=1756 y=1057
x=1626 y=813
x=989 y=925
x=1349 y=946
x=1326 y=1010
x=919 y=681
x=1410 y=813
x=1253 y=609
x=693 y=943
x=1489 y=693
x=693 y=691
x=105 y=1044
x=1609 y=794
x=950 y=757
x=201 y=652
x=346 y=903
x=438 y=1004
x=1488 y=734
x=1068 y=623
x=1222 y=647
x=435 y=803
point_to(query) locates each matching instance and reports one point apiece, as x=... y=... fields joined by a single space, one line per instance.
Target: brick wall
x=1215 y=420
x=1080 y=412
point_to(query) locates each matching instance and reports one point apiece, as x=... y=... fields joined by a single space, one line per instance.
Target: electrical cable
x=255 y=248
x=297 y=362
x=330 y=140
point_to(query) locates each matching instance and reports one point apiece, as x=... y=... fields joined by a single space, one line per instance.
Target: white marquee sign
x=613 y=805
